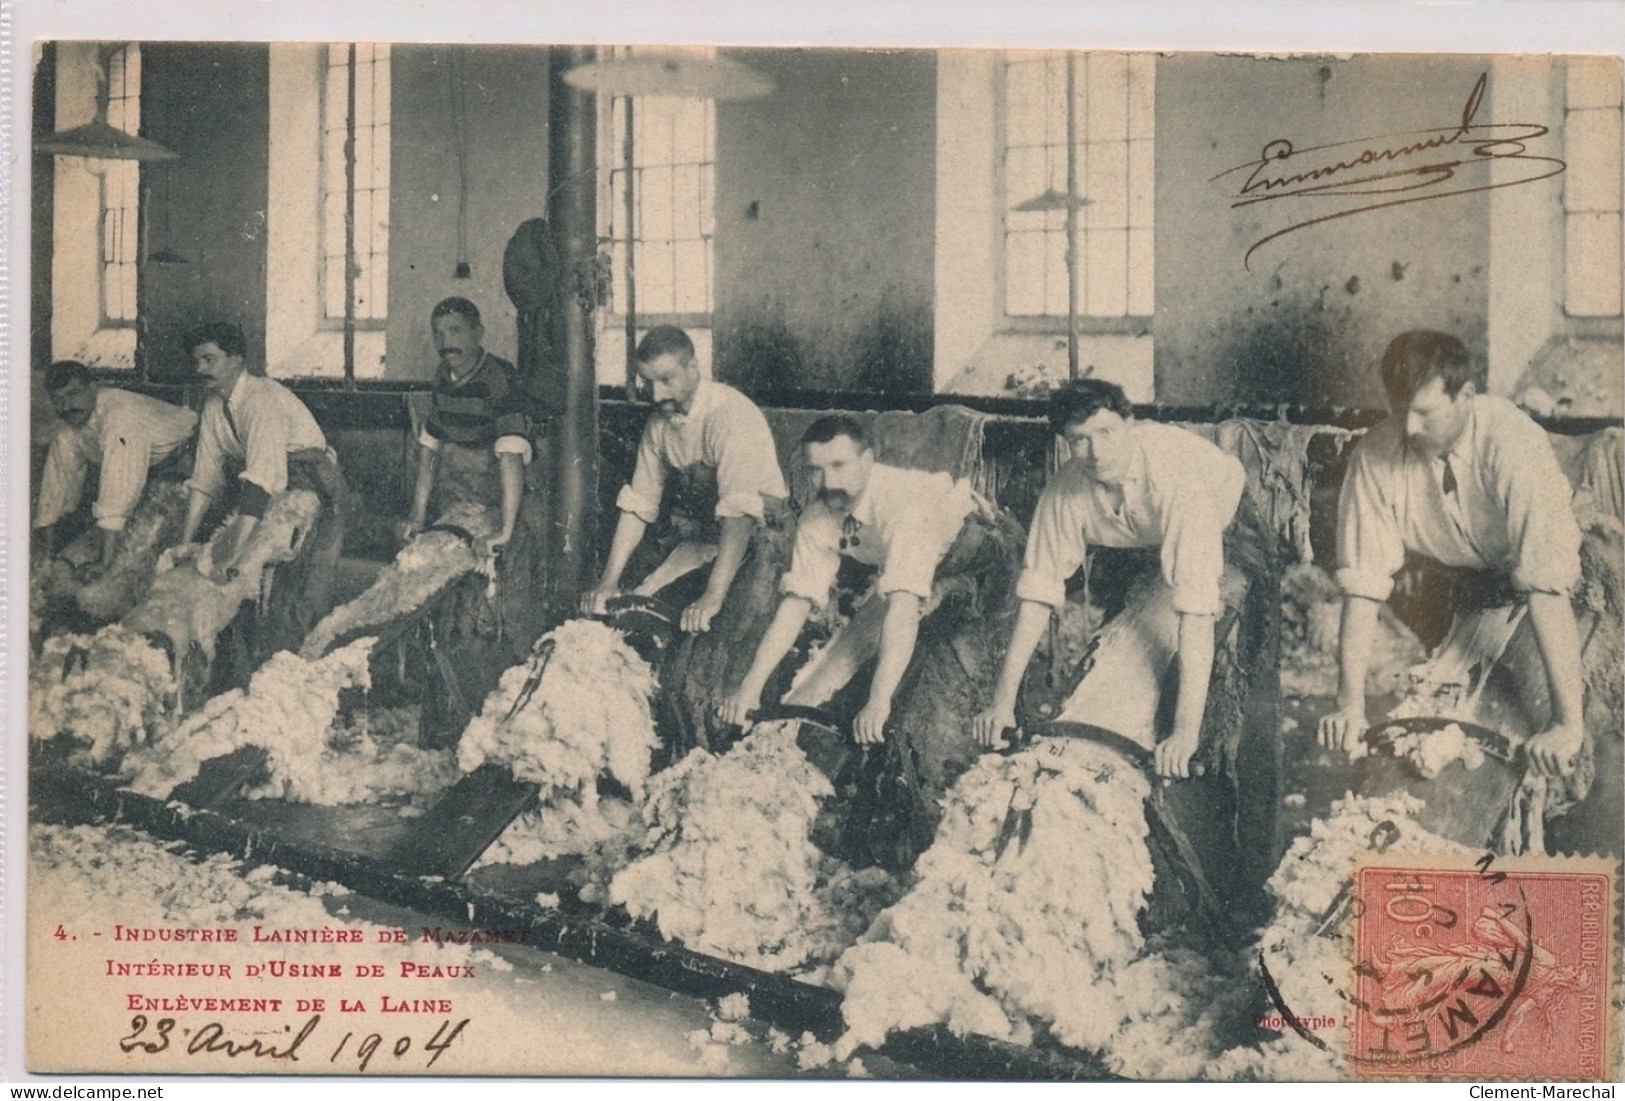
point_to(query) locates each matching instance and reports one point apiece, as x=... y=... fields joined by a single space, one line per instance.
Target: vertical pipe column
x=351 y=262
x=1071 y=214
x=572 y=169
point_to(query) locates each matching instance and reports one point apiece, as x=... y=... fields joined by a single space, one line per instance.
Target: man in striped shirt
x=475 y=442
x=123 y=433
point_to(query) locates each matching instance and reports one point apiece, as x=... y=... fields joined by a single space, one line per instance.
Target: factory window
x=96 y=210
x=369 y=125
x=672 y=226
x=1112 y=115
x=121 y=192
x=1591 y=191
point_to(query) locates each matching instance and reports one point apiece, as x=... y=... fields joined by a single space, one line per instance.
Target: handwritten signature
x=1392 y=170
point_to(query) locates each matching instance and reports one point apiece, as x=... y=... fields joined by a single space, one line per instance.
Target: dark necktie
x=231 y=421
x=1449 y=479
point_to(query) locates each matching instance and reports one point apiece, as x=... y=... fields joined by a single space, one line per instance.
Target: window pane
x=656 y=293
x=1024 y=274
x=333 y=286
x=686 y=196
x=673 y=192
x=1141 y=288
x=651 y=127
x=1024 y=103
x=1026 y=174
x=1142 y=94
x=692 y=275
x=655 y=204
x=688 y=135
x=1592 y=270
x=1142 y=183
x=1056 y=288
x=1105 y=264
x=1106 y=185
x=1106 y=94
x=1114 y=100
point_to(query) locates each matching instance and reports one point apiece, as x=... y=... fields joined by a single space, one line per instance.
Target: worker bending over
x=1466 y=481
x=1126 y=484
x=707 y=460
x=908 y=524
x=258 y=428
x=123 y=434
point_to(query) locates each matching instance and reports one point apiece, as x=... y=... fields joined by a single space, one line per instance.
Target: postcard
x=684 y=561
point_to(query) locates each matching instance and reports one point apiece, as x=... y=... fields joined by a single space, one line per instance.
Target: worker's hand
x=595 y=601
x=735 y=710
x=989 y=726
x=78 y=553
x=410 y=529
x=697 y=616
x=177 y=555
x=1552 y=751
x=1173 y=756
x=869 y=728
x=490 y=547
x=222 y=573
x=1344 y=729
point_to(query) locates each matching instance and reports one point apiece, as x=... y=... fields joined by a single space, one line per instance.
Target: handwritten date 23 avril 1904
x=403 y=1053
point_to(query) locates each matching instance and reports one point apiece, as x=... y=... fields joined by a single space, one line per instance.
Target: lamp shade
x=100 y=140
x=1052 y=199
x=678 y=75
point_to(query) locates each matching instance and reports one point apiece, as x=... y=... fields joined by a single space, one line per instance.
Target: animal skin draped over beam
x=188 y=609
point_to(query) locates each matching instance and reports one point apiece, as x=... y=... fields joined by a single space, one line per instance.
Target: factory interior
x=357 y=710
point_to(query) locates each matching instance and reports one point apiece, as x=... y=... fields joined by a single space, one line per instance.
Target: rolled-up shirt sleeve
x=63 y=480
x=1370 y=547
x=1055 y=551
x=514 y=445
x=641 y=496
x=747 y=460
x=427 y=440
x=1541 y=529
x=512 y=421
x=1192 y=552
x=814 y=558
x=125 y=463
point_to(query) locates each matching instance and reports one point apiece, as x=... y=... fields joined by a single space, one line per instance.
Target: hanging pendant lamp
x=686 y=76
x=100 y=140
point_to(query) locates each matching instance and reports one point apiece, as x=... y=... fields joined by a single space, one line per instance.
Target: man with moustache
x=1127 y=484
x=123 y=434
x=258 y=427
x=1469 y=483
x=904 y=522
x=708 y=464
x=475 y=442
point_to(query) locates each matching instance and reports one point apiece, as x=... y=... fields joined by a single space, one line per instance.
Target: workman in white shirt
x=124 y=434
x=259 y=428
x=1128 y=483
x=906 y=523
x=1467 y=480
x=708 y=459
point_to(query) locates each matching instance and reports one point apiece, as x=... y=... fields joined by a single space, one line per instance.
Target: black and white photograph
x=670 y=561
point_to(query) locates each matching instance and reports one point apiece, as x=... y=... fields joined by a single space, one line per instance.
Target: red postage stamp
x=1489 y=971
